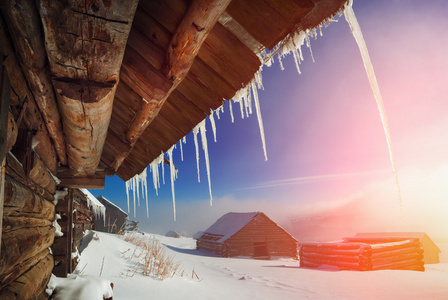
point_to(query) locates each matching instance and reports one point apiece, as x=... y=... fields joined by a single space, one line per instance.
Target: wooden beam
x=70 y=230
x=85 y=43
x=24 y=24
x=5 y=89
x=95 y=181
x=185 y=43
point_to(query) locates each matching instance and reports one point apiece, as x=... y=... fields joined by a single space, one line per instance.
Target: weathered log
x=22 y=267
x=85 y=43
x=86 y=111
x=40 y=175
x=12 y=132
x=21 y=201
x=15 y=170
x=15 y=223
x=45 y=150
x=184 y=46
x=32 y=283
x=21 y=244
x=135 y=72
x=18 y=82
x=25 y=26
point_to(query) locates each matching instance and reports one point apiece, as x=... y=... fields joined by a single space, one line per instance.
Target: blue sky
x=325 y=141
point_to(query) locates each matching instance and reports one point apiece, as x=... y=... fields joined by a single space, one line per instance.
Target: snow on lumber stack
x=364 y=255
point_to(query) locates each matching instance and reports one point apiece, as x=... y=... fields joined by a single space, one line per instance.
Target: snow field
x=240 y=278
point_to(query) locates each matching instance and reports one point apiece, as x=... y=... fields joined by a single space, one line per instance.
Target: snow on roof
x=111 y=203
x=229 y=224
x=98 y=208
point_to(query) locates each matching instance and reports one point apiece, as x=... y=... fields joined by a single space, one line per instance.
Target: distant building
x=172 y=234
x=247 y=234
x=115 y=217
x=430 y=249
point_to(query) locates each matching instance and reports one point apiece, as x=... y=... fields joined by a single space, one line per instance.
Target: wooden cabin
x=85 y=210
x=249 y=235
x=430 y=249
x=114 y=219
x=172 y=234
x=103 y=87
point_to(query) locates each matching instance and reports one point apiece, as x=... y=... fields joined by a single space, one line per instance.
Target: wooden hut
x=75 y=218
x=115 y=217
x=248 y=234
x=430 y=249
x=103 y=87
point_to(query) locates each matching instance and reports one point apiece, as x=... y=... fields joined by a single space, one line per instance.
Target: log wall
x=261 y=238
x=27 y=233
x=353 y=254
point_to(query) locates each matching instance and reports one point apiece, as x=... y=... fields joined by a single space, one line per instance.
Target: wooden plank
x=185 y=43
x=95 y=181
x=274 y=19
x=4 y=111
x=70 y=198
x=229 y=57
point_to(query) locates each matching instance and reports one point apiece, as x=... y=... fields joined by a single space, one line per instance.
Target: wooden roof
x=114 y=84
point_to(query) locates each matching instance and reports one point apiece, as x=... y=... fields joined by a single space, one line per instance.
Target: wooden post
x=70 y=230
x=5 y=88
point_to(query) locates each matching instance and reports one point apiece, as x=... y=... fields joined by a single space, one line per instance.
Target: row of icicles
x=244 y=97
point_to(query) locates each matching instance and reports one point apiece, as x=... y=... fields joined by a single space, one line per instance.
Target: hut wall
x=430 y=251
x=261 y=238
x=73 y=226
x=27 y=232
x=115 y=218
x=206 y=243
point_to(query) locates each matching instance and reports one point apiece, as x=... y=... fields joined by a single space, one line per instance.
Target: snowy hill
x=203 y=276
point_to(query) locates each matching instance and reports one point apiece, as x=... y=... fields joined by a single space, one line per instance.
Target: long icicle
x=357 y=34
x=172 y=177
x=195 y=137
x=207 y=162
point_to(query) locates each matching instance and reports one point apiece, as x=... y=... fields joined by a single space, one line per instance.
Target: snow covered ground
x=239 y=278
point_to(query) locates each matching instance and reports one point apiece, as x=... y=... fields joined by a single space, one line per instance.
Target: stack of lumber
x=362 y=254
x=393 y=253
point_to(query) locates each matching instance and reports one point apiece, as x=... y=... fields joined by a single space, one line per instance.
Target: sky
x=326 y=147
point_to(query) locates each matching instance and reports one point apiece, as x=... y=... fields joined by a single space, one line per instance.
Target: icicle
x=173 y=176
x=219 y=110
x=133 y=194
x=154 y=167
x=181 y=150
x=162 y=163
x=212 y=122
x=357 y=34
x=260 y=121
x=207 y=163
x=145 y=187
x=231 y=111
x=127 y=193
x=195 y=136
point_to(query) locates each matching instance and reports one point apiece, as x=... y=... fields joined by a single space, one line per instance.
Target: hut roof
x=98 y=208
x=115 y=91
x=103 y=199
x=230 y=223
